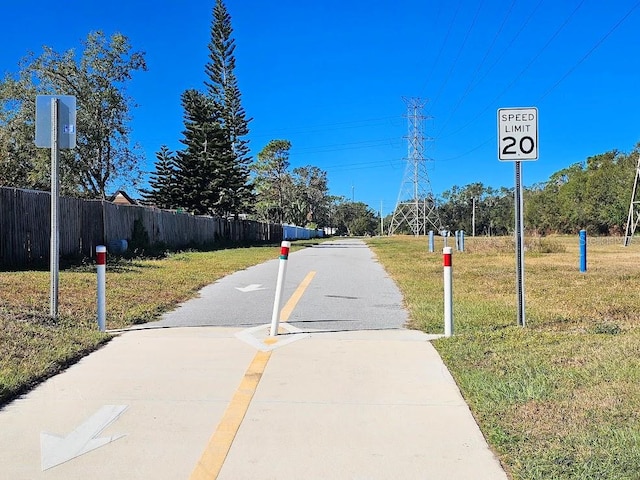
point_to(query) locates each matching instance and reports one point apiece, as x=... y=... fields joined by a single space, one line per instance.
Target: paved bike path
x=345 y=392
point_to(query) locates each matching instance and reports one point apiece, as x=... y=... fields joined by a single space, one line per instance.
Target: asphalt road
x=350 y=291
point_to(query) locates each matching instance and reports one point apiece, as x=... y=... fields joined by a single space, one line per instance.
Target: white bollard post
x=448 y=292
x=101 y=267
x=282 y=270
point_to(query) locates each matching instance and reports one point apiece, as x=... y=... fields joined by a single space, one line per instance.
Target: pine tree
x=222 y=88
x=162 y=180
x=204 y=168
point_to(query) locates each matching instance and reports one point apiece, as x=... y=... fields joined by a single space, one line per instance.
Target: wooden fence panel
x=34 y=210
x=25 y=225
x=92 y=232
x=70 y=221
x=10 y=254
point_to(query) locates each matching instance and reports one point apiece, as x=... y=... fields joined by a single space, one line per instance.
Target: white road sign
x=518 y=134
x=66 y=121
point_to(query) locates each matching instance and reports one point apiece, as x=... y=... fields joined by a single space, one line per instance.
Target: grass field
x=559 y=399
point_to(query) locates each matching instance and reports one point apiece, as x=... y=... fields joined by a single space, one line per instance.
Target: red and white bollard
x=282 y=270
x=101 y=267
x=448 y=291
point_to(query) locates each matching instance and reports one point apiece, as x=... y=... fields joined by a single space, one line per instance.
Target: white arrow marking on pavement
x=251 y=288
x=56 y=450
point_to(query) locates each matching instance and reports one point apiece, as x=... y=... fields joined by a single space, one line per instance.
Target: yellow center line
x=285 y=313
x=217 y=449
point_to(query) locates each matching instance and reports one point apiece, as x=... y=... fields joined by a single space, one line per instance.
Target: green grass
x=559 y=399
x=33 y=347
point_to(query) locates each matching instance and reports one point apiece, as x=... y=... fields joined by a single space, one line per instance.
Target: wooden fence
x=25 y=225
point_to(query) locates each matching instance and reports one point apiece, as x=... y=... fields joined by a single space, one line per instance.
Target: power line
x=522 y=72
x=455 y=61
x=330 y=126
x=470 y=85
x=564 y=77
x=347 y=146
x=444 y=43
x=593 y=49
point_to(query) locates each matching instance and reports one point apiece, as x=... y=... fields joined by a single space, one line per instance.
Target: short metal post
x=448 y=292
x=461 y=233
x=431 y=242
x=101 y=268
x=583 y=251
x=282 y=270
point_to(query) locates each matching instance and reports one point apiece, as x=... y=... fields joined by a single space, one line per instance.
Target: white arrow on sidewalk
x=56 y=450
x=251 y=288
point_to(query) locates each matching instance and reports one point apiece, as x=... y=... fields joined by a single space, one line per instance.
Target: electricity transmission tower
x=416 y=206
x=634 y=209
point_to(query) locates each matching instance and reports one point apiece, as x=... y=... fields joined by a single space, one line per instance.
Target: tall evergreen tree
x=222 y=88
x=162 y=181
x=273 y=181
x=204 y=169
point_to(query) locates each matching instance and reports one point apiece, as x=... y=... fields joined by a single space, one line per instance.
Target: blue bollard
x=583 y=250
x=461 y=233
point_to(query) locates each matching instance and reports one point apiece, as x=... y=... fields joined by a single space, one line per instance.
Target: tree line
x=593 y=195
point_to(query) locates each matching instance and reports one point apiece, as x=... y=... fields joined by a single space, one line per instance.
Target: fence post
x=448 y=292
x=101 y=267
x=282 y=270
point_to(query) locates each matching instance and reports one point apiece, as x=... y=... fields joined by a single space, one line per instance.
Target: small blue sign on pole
x=583 y=251
x=66 y=121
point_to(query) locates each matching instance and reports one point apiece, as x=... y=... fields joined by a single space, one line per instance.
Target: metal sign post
x=519 y=228
x=54 y=254
x=55 y=129
x=517 y=141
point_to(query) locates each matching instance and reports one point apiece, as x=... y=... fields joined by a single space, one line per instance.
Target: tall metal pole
x=412 y=209
x=55 y=232
x=519 y=246
x=473 y=218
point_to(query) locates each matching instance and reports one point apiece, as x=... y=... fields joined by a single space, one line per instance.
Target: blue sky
x=330 y=77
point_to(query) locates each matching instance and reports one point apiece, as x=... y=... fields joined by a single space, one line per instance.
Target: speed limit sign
x=518 y=134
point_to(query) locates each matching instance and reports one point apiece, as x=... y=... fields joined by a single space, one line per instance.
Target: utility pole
x=473 y=218
x=416 y=206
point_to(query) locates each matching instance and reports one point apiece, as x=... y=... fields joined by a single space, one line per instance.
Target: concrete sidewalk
x=202 y=402
x=348 y=405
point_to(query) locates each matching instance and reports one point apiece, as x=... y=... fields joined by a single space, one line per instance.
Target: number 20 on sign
x=518 y=134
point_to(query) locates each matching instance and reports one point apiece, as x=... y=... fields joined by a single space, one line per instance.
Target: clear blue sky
x=330 y=76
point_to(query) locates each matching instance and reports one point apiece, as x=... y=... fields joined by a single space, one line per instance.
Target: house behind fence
x=25 y=227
